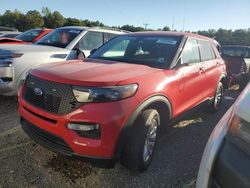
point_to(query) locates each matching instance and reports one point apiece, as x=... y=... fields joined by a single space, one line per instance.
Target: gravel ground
x=26 y=164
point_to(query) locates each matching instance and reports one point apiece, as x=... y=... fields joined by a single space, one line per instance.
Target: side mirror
x=80 y=54
x=92 y=51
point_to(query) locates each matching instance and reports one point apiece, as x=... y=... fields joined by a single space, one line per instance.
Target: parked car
x=27 y=37
x=226 y=160
x=8 y=34
x=7 y=29
x=237 y=59
x=110 y=105
x=59 y=45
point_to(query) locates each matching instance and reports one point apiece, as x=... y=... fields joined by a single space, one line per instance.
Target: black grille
x=55 y=97
x=45 y=138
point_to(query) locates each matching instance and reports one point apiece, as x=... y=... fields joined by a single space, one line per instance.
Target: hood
x=29 y=48
x=91 y=72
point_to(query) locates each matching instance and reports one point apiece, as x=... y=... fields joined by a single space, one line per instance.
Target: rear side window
x=108 y=36
x=206 y=50
x=190 y=52
x=91 y=40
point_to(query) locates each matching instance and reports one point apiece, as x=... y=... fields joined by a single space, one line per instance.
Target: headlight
x=104 y=94
x=11 y=55
x=239 y=132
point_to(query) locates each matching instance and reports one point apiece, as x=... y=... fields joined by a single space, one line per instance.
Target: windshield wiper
x=43 y=43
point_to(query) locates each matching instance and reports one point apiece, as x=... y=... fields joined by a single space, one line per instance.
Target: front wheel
x=218 y=98
x=139 y=147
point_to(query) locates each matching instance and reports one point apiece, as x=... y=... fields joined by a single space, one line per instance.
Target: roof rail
x=112 y=29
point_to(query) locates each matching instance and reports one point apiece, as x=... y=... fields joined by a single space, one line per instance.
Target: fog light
x=86 y=129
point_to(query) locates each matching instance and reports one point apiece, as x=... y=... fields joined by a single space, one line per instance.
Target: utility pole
x=183 y=25
x=173 y=24
x=145 y=25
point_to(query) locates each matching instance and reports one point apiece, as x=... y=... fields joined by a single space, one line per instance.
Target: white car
x=62 y=44
x=226 y=159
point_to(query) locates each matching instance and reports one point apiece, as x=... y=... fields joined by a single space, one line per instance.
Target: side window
x=118 y=50
x=206 y=50
x=108 y=36
x=91 y=40
x=190 y=52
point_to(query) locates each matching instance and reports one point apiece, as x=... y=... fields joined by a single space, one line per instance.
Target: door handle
x=201 y=69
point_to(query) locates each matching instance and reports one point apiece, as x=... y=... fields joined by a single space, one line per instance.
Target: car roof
x=168 y=33
x=104 y=29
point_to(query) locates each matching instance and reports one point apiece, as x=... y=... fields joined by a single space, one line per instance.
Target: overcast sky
x=191 y=15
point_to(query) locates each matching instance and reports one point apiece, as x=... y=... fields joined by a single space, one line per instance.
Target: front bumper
x=110 y=116
x=56 y=144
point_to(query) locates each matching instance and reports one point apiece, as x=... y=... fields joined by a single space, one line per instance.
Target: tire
x=140 y=145
x=243 y=83
x=218 y=98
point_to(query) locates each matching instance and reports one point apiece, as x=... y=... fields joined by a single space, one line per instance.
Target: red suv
x=112 y=104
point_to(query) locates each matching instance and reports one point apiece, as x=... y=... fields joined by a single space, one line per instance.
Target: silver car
x=65 y=43
x=226 y=159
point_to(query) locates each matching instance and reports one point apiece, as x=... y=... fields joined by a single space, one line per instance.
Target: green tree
x=166 y=28
x=73 y=22
x=33 y=19
x=13 y=19
x=52 y=20
x=132 y=28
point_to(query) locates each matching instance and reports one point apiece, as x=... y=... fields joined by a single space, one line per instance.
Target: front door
x=191 y=81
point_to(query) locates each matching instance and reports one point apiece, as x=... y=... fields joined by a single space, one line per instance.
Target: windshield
x=59 y=38
x=148 y=50
x=29 y=36
x=236 y=51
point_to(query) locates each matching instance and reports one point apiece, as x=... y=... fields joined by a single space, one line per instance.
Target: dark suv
x=111 y=105
x=237 y=60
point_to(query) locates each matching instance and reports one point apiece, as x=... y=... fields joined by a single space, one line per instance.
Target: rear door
x=211 y=67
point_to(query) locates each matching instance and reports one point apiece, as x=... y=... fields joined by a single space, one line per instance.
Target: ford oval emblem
x=38 y=91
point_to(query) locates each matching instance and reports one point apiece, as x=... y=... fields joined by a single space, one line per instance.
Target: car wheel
x=140 y=145
x=243 y=83
x=218 y=98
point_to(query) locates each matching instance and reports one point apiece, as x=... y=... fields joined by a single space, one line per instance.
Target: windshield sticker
x=74 y=31
x=167 y=41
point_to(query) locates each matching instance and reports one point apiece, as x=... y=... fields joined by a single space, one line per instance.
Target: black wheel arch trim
x=125 y=130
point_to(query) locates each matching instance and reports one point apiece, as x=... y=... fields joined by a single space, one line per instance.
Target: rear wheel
x=243 y=83
x=140 y=146
x=218 y=98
